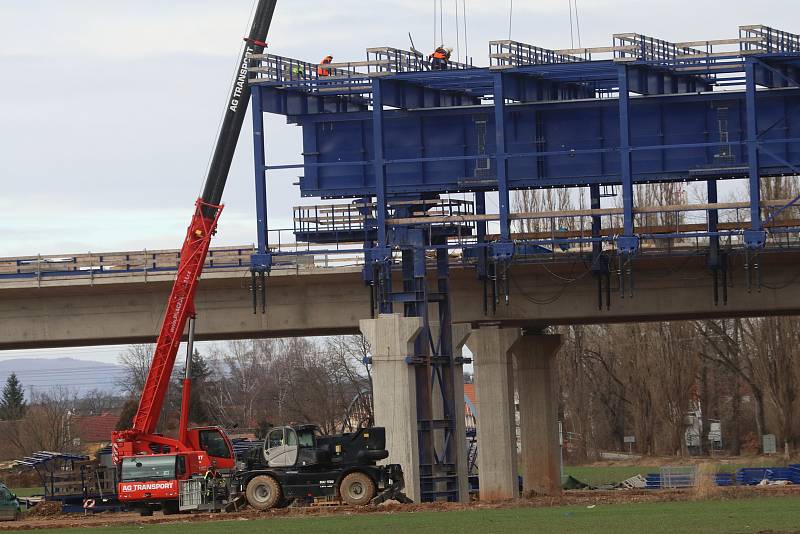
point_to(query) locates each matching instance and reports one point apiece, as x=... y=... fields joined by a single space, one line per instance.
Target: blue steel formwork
x=397 y=137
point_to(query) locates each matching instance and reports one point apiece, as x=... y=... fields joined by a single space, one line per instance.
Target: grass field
x=27 y=492
x=706 y=517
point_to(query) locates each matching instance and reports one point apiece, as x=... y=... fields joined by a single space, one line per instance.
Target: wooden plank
x=365 y=63
x=714 y=42
x=722 y=66
x=596 y=50
x=663 y=229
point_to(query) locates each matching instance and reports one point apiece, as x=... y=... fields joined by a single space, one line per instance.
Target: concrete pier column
x=537 y=387
x=391 y=338
x=496 y=425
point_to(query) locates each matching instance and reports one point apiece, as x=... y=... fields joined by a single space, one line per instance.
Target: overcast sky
x=109 y=109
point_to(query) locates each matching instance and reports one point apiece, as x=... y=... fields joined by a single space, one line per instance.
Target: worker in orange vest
x=440 y=58
x=322 y=71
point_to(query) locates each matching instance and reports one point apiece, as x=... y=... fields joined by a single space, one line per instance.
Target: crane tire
x=357 y=489
x=263 y=492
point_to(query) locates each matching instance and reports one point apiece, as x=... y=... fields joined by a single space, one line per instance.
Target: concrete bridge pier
x=494 y=402
x=537 y=388
x=391 y=337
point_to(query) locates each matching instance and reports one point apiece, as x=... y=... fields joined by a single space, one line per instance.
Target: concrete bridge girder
x=128 y=308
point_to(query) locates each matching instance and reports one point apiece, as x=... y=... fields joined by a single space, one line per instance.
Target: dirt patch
x=45 y=509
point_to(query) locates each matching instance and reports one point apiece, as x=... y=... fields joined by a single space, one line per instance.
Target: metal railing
x=635 y=46
x=763 y=39
x=353 y=217
x=560 y=236
x=507 y=53
x=387 y=60
x=295 y=74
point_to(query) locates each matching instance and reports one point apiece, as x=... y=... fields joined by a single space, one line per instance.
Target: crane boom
x=180 y=305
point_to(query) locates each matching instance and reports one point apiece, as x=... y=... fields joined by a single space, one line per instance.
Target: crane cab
x=288 y=446
x=215 y=443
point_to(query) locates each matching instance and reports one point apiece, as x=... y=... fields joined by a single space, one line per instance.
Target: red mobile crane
x=152 y=464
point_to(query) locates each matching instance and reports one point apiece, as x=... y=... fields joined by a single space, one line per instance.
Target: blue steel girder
x=647 y=79
x=292 y=102
x=777 y=70
x=404 y=94
x=549 y=144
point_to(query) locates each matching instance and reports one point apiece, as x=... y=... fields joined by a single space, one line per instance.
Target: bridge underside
x=127 y=309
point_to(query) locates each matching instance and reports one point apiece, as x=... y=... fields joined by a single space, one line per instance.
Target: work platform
x=415 y=154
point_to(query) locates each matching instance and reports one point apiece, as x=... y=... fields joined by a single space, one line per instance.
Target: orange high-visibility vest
x=323 y=71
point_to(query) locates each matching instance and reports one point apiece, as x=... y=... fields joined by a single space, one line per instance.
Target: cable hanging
x=510 y=16
x=434 y=25
x=466 y=41
x=441 y=21
x=571 y=36
x=458 y=40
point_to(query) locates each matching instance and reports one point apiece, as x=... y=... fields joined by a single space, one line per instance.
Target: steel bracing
x=399 y=138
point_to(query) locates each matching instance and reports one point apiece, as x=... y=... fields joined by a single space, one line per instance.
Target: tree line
x=645 y=380
x=254 y=384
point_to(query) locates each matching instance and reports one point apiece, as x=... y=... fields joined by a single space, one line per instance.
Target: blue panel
x=577 y=143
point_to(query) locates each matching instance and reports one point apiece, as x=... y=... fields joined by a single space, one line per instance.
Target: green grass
x=707 y=517
x=27 y=492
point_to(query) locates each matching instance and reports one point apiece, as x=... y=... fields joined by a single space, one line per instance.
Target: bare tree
x=136 y=364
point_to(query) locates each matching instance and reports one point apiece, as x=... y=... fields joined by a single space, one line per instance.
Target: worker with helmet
x=321 y=70
x=440 y=58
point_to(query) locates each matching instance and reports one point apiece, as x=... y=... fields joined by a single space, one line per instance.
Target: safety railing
x=286 y=69
x=507 y=53
x=289 y=73
x=763 y=39
x=346 y=219
x=662 y=230
x=145 y=261
x=387 y=60
x=637 y=46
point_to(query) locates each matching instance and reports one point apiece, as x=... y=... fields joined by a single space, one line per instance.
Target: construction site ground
x=714 y=510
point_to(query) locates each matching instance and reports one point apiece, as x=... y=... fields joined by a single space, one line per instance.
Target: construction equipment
x=193 y=472
x=297 y=462
x=152 y=464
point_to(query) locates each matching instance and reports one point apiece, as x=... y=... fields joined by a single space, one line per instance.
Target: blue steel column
x=260 y=260
x=501 y=157
x=379 y=163
x=628 y=243
x=380 y=256
x=755 y=237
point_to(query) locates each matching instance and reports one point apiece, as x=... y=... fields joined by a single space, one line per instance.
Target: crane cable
x=434 y=25
x=510 y=16
x=458 y=40
x=464 y=14
x=441 y=21
x=573 y=5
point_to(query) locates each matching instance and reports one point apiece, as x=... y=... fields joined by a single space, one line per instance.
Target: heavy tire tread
x=276 y=494
x=366 y=482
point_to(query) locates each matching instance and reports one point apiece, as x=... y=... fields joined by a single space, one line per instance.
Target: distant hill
x=79 y=376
